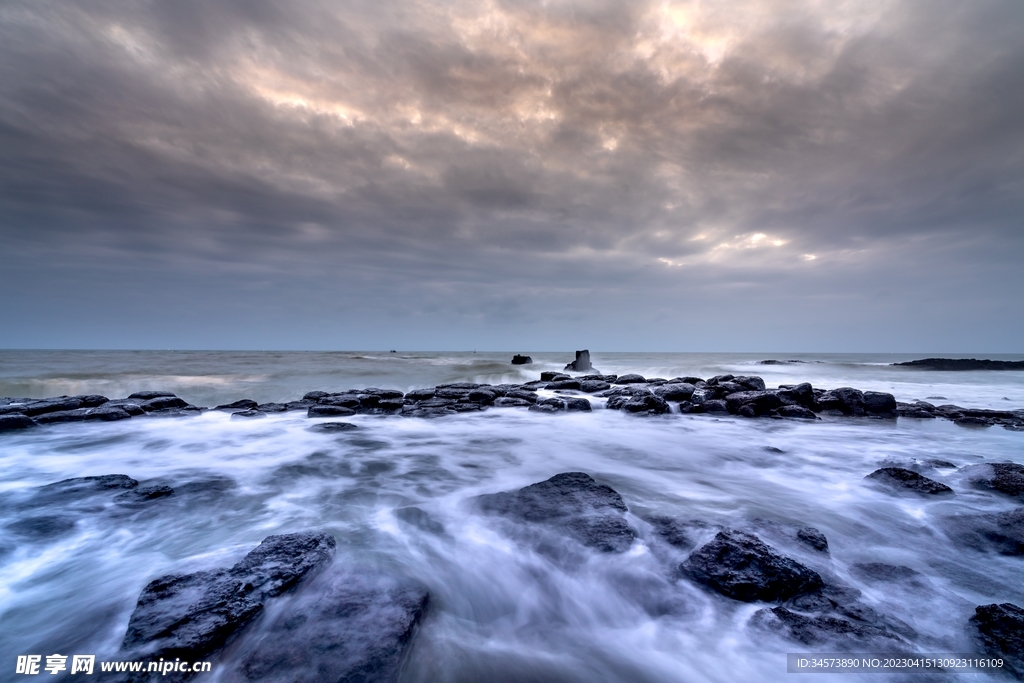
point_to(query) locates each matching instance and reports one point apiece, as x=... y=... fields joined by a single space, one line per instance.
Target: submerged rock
x=591 y=512
x=249 y=413
x=1001 y=532
x=899 y=478
x=1000 y=629
x=15 y=421
x=819 y=629
x=353 y=626
x=333 y=427
x=193 y=615
x=742 y=567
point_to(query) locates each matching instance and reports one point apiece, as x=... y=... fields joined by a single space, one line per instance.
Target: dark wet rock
x=577 y=405
x=314 y=395
x=593 y=385
x=112 y=413
x=329 y=411
x=79 y=487
x=761 y=402
x=687 y=380
x=506 y=402
x=163 y=403
x=591 y=512
x=844 y=400
x=797 y=412
x=299 y=405
x=243 y=404
x=521 y=360
x=1001 y=532
x=52 y=405
x=544 y=407
x=718 y=406
x=742 y=567
x=149 y=395
x=420 y=519
x=948 y=364
x=353 y=626
x=333 y=427
x=79 y=415
x=629 y=379
x=879 y=571
x=11 y=422
x=273 y=407
x=482 y=395
x=798 y=394
x=248 y=413
x=548 y=376
x=145 y=493
x=42 y=526
x=390 y=405
x=808 y=537
x=1000 y=630
x=821 y=628
x=900 y=478
x=523 y=394
x=565 y=384
x=772 y=361
x=92 y=400
x=639 y=404
x=675 y=391
x=773 y=449
x=812 y=538
x=1004 y=477
x=938 y=463
x=420 y=394
x=750 y=382
x=193 y=615
x=879 y=403
x=582 y=362
x=973 y=422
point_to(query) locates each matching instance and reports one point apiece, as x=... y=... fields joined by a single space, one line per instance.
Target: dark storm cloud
x=487 y=159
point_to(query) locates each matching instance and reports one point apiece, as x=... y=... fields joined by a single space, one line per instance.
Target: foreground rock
x=193 y=615
x=900 y=479
x=591 y=513
x=354 y=625
x=740 y=566
x=1000 y=630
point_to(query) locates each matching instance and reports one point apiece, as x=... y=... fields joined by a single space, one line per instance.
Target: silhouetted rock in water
x=844 y=400
x=548 y=376
x=772 y=361
x=420 y=394
x=333 y=427
x=899 y=478
x=742 y=567
x=242 y=404
x=806 y=536
x=42 y=526
x=879 y=571
x=577 y=405
x=593 y=385
x=163 y=403
x=52 y=405
x=11 y=422
x=1001 y=532
x=963 y=364
x=715 y=406
x=329 y=411
x=582 y=362
x=144 y=494
x=352 y=626
x=819 y=629
x=149 y=395
x=879 y=403
x=1004 y=477
x=629 y=379
x=681 y=533
x=509 y=402
x=248 y=414
x=193 y=615
x=521 y=360
x=798 y=394
x=275 y=407
x=1000 y=630
x=642 y=403
x=68 y=490
x=591 y=512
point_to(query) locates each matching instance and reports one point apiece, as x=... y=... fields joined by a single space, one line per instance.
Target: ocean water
x=501 y=610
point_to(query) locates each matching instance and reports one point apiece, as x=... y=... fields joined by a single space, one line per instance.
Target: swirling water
x=501 y=609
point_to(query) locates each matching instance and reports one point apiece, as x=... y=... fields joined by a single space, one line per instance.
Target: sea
x=501 y=609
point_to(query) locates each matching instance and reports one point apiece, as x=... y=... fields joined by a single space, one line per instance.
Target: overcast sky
x=801 y=175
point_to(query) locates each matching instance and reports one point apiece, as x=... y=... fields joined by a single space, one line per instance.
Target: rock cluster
x=963 y=364
x=19 y=413
x=356 y=625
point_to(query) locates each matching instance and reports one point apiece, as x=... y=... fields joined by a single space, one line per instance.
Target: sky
x=777 y=175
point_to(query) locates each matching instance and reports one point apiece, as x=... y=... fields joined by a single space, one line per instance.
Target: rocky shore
x=744 y=396
x=288 y=611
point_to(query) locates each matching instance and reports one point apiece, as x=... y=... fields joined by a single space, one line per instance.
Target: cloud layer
x=772 y=174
